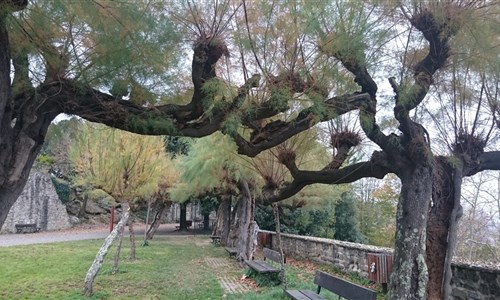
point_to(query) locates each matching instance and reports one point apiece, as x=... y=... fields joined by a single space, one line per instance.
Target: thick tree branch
x=67 y=97
x=378 y=166
x=277 y=132
x=5 y=97
x=487 y=161
x=409 y=97
x=12 y=5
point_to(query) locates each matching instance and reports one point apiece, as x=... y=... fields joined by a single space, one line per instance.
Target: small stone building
x=38 y=204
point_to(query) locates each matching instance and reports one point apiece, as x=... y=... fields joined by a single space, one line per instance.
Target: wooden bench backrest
x=271 y=254
x=343 y=288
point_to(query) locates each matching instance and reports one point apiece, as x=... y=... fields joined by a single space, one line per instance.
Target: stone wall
x=469 y=281
x=38 y=204
x=475 y=282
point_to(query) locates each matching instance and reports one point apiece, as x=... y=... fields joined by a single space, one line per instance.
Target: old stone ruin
x=38 y=204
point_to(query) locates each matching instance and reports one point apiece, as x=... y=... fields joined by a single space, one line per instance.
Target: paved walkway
x=81 y=233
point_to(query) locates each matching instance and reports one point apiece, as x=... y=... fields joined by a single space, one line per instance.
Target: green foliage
x=211 y=164
x=346 y=221
x=45 y=160
x=100 y=196
x=280 y=97
x=151 y=125
x=62 y=188
x=106 y=40
x=377 y=213
x=232 y=124
x=319 y=222
x=208 y=204
x=175 y=145
x=264 y=279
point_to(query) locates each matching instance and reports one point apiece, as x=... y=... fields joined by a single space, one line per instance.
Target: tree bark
x=437 y=227
x=444 y=212
x=96 y=265
x=160 y=213
x=409 y=276
x=280 y=248
x=244 y=228
x=223 y=220
x=132 y=237
x=118 y=251
x=206 y=222
x=182 y=217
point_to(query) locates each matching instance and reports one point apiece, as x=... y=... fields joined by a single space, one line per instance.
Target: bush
x=62 y=189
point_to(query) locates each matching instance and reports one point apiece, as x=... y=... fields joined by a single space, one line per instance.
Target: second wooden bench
x=261 y=266
x=340 y=287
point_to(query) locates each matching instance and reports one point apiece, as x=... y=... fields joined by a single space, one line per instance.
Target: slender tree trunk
x=147 y=223
x=280 y=248
x=84 y=205
x=118 y=250
x=132 y=237
x=409 y=276
x=182 y=218
x=206 y=222
x=96 y=265
x=160 y=214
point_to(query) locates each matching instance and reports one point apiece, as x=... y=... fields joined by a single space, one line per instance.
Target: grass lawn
x=170 y=268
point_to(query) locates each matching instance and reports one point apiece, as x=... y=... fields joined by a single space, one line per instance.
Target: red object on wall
x=379 y=267
x=264 y=239
x=112 y=219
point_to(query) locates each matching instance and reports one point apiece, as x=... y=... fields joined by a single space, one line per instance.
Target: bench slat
x=312 y=295
x=342 y=287
x=261 y=266
x=303 y=295
x=231 y=250
x=300 y=295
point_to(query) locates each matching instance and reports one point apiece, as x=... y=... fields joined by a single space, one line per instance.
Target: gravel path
x=77 y=234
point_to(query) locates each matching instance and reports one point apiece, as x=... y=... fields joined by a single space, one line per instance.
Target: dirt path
x=81 y=233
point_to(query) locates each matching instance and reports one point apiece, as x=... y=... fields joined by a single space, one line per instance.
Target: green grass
x=170 y=268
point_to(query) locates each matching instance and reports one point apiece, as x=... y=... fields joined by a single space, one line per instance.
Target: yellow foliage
x=125 y=165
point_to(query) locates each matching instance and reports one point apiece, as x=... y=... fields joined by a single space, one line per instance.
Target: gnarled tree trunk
x=444 y=212
x=222 y=224
x=409 y=276
x=244 y=229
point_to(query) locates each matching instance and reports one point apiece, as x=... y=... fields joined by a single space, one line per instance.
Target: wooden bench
x=215 y=239
x=27 y=228
x=233 y=251
x=340 y=287
x=260 y=266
